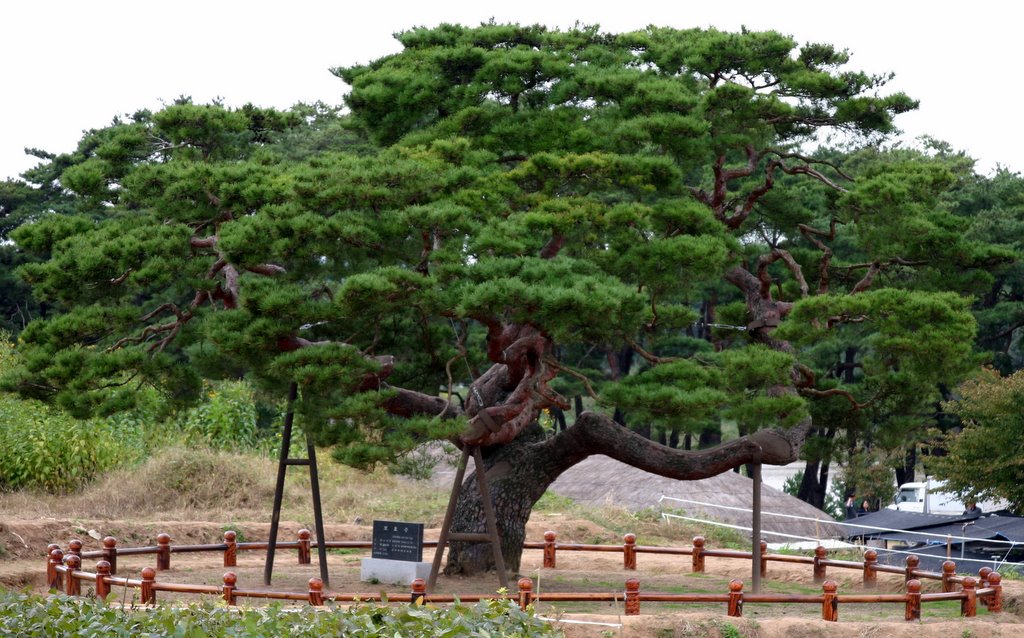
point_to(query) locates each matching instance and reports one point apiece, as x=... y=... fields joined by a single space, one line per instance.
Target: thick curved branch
x=595 y=433
x=266 y=269
x=780 y=255
x=868 y=279
x=653 y=358
x=834 y=392
x=411 y=403
x=203 y=242
x=554 y=245
x=811 y=234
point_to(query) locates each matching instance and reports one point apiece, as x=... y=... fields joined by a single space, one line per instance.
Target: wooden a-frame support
x=314 y=481
x=490 y=536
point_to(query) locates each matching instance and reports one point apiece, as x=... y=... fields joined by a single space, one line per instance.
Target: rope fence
x=944 y=537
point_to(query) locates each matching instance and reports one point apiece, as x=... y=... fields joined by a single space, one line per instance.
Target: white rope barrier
x=873 y=528
x=880 y=550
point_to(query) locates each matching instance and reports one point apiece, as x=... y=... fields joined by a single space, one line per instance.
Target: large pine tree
x=502 y=203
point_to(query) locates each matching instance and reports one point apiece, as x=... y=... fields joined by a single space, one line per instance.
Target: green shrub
x=227 y=419
x=23 y=615
x=43 y=448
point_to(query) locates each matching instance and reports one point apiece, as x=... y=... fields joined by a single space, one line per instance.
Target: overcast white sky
x=66 y=66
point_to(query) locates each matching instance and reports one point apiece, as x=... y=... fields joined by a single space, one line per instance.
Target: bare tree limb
x=647 y=355
x=811 y=392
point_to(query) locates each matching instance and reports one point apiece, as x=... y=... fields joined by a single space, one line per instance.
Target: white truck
x=929 y=497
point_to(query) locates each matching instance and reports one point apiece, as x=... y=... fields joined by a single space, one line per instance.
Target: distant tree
x=537 y=201
x=984 y=460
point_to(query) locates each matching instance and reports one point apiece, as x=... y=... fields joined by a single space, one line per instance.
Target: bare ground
x=23 y=546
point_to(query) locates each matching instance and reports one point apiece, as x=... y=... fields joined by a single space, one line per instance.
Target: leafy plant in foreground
x=27 y=615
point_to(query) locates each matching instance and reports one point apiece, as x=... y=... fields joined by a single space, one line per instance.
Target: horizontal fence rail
x=64 y=572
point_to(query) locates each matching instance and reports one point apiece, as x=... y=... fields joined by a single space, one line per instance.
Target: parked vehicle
x=930 y=497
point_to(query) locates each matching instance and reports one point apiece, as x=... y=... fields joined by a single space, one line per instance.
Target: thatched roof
x=600 y=480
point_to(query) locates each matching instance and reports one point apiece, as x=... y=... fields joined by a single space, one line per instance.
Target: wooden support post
x=735 y=598
x=948 y=572
x=870 y=569
x=490 y=536
x=629 y=551
x=72 y=586
x=146 y=590
x=829 y=601
x=549 y=549
x=304 y=554
x=316 y=592
x=53 y=577
x=230 y=578
x=419 y=591
x=284 y=461
x=163 y=552
x=969 y=604
x=995 y=601
x=75 y=548
x=913 y=562
x=913 y=611
x=756 y=564
x=764 y=558
x=230 y=549
x=525 y=593
x=698 y=555
x=819 y=565
x=110 y=553
x=102 y=574
x=632 y=603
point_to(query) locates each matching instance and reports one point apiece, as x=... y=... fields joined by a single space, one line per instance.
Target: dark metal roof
x=894 y=525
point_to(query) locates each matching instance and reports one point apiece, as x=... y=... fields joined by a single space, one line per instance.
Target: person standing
x=851 y=509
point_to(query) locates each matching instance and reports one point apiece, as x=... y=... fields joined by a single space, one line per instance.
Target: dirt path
x=22 y=564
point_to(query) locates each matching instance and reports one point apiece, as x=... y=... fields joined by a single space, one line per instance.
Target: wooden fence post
x=995 y=601
x=304 y=556
x=163 y=552
x=870 y=569
x=764 y=558
x=230 y=578
x=632 y=602
x=549 y=549
x=983 y=575
x=629 y=551
x=110 y=553
x=735 y=597
x=913 y=611
x=75 y=548
x=969 y=604
x=698 y=554
x=819 y=566
x=53 y=577
x=230 y=549
x=948 y=572
x=316 y=592
x=146 y=590
x=913 y=562
x=419 y=591
x=829 y=601
x=72 y=586
x=525 y=593
x=102 y=573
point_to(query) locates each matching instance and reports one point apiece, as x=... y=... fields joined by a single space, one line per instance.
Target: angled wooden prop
x=491 y=536
x=314 y=482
